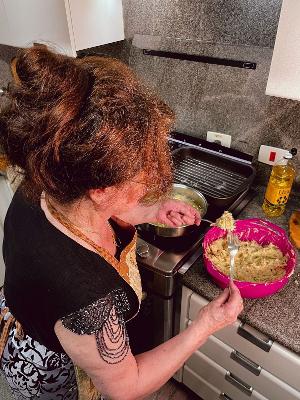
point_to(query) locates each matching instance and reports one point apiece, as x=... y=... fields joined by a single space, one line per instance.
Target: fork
x=233 y=245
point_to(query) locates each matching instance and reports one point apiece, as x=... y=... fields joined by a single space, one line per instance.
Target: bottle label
x=277 y=196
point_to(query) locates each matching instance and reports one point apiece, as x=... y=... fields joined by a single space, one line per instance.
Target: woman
x=92 y=143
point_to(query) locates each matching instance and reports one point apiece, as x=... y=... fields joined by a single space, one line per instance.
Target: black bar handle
x=238 y=383
x=245 y=362
x=263 y=343
x=224 y=396
x=204 y=59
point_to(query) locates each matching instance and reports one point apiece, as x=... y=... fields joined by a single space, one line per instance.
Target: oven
x=225 y=178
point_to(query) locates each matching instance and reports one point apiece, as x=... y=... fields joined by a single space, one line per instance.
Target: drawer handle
x=224 y=396
x=245 y=362
x=263 y=343
x=235 y=381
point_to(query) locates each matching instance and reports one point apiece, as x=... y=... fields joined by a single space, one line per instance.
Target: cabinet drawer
x=265 y=383
x=273 y=357
x=198 y=385
x=216 y=376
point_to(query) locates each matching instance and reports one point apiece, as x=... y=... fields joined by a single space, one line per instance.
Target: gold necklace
x=120 y=266
x=75 y=229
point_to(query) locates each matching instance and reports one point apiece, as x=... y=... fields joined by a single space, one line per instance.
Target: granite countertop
x=277 y=316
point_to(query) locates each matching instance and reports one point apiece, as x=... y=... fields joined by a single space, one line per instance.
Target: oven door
x=154 y=323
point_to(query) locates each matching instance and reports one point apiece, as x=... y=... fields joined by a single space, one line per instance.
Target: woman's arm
x=170 y=212
x=132 y=378
x=140 y=214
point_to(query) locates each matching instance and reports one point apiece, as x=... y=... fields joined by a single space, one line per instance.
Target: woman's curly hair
x=78 y=124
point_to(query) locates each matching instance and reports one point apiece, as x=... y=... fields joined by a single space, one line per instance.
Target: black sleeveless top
x=49 y=277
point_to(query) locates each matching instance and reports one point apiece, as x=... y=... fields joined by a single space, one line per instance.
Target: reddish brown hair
x=79 y=124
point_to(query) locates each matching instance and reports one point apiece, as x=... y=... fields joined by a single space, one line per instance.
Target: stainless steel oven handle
x=224 y=396
x=262 y=342
x=235 y=381
x=246 y=362
x=187 y=265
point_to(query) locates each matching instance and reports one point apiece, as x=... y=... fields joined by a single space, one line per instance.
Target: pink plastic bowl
x=262 y=232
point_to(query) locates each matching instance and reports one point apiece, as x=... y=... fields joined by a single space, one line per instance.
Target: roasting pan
x=220 y=179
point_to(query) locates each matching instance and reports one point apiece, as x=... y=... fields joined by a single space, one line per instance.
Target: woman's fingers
x=173 y=217
x=177 y=213
x=185 y=219
x=235 y=295
x=222 y=298
x=234 y=304
x=177 y=217
x=197 y=218
x=222 y=311
x=185 y=210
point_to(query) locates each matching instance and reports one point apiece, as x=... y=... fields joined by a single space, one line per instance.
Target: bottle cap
x=293 y=151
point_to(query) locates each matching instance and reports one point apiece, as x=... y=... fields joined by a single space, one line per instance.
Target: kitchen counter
x=278 y=315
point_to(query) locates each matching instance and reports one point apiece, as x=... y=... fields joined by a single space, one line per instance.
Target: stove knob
x=143 y=250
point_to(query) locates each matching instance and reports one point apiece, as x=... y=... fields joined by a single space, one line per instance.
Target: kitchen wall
x=212 y=97
x=6 y=54
x=209 y=97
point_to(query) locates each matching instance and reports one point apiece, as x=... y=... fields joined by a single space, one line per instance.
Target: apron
x=127 y=269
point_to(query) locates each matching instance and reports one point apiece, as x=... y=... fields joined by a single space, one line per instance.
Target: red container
x=263 y=232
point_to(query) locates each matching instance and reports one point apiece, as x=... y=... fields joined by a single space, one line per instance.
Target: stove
x=162 y=260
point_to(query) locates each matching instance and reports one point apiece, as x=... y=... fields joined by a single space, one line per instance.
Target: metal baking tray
x=218 y=178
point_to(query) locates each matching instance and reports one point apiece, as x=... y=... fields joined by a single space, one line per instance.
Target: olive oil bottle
x=279 y=186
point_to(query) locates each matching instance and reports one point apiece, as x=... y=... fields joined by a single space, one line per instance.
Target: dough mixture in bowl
x=253 y=262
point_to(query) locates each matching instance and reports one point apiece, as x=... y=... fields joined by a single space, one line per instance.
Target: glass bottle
x=279 y=185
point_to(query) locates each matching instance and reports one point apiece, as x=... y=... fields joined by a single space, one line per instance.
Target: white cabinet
x=68 y=25
x=284 y=77
x=237 y=362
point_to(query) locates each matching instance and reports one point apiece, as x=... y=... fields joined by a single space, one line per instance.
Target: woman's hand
x=176 y=213
x=168 y=212
x=220 y=312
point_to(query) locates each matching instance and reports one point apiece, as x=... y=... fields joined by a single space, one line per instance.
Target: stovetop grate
x=209 y=179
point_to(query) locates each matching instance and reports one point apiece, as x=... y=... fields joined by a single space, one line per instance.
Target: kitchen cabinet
x=6 y=194
x=284 y=77
x=237 y=362
x=68 y=25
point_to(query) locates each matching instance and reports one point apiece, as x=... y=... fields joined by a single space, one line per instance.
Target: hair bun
x=74 y=125
x=43 y=75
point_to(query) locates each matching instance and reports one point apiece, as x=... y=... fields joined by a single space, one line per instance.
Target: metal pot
x=189 y=194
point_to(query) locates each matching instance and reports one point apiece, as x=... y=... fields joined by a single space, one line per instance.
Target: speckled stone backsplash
x=213 y=97
x=204 y=96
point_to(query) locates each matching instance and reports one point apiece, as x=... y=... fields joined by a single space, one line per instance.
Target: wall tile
x=252 y=22
x=139 y=16
x=220 y=98
x=6 y=54
x=179 y=19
